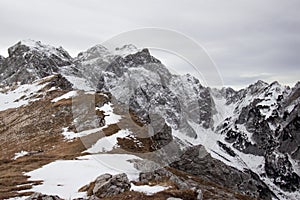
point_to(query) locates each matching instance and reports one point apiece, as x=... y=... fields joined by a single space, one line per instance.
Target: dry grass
x=11 y=171
x=35 y=128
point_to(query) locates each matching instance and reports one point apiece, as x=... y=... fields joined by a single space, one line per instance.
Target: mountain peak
x=100 y=51
x=141 y=57
x=126 y=50
x=127 y=46
x=260 y=83
x=30 y=60
x=275 y=83
x=93 y=52
x=29 y=45
x=257 y=86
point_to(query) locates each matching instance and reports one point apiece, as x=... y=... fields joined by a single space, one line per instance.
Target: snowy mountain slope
x=256 y=128
x=96 y=59
x=254 y=132
x=177 y=98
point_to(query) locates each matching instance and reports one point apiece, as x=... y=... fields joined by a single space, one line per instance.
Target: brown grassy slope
x=35 y=128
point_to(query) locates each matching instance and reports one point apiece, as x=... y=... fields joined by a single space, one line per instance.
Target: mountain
x=30 y=60
x=172 y=136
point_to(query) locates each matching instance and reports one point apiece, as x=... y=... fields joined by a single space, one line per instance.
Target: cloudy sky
x=247 y=40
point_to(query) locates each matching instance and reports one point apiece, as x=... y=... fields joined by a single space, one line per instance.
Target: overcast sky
x=248 y=40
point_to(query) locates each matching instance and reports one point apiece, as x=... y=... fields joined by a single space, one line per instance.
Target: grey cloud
x=242 y=37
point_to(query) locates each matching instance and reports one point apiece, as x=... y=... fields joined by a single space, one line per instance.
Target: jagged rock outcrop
x=94 y=61
x=279 y=168
x=290 y=137
x=107 y=185
x=195 y=100
x=30 y=60
x=124 y=74
x=161 y=175
x=266 y=119
x=289 y=134
x=196 y=162
x=148 y=87
x=58 y=81
x=151 y=99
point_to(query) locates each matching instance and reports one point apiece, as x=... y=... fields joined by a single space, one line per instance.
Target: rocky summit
x=117 y=124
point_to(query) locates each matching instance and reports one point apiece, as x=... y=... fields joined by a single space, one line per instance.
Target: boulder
x=108 y=185
x=40 y=196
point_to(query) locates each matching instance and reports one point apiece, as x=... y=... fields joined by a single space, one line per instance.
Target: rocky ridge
x=260 y=122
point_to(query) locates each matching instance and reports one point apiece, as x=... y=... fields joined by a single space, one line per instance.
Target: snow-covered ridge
x=100 y=52
x=38 y=46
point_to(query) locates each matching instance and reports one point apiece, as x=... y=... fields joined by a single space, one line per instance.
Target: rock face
x=289 y=133
x=92 y=62
x=150 y=98
x=58 y=81
x=280 y=169
x=196 y=101
x=1 y=59
x=124 y=74
x=108 y=185
x=266 y=119
x=146 y=85
x=196 y=162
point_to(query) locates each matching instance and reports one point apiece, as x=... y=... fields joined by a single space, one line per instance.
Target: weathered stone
x=40 y=196
x=107 y=185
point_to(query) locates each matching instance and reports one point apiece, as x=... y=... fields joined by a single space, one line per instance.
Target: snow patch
x=79 y=83
x=20 y=154
x=110 y=116
x=290 y=108
x=22 y=95
x=223 y=110
x=65 y=96
x=65 y=177
x=70 y=135
x=18 y=198
x=148 y=190
x=45 y=49
x=108 y=143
